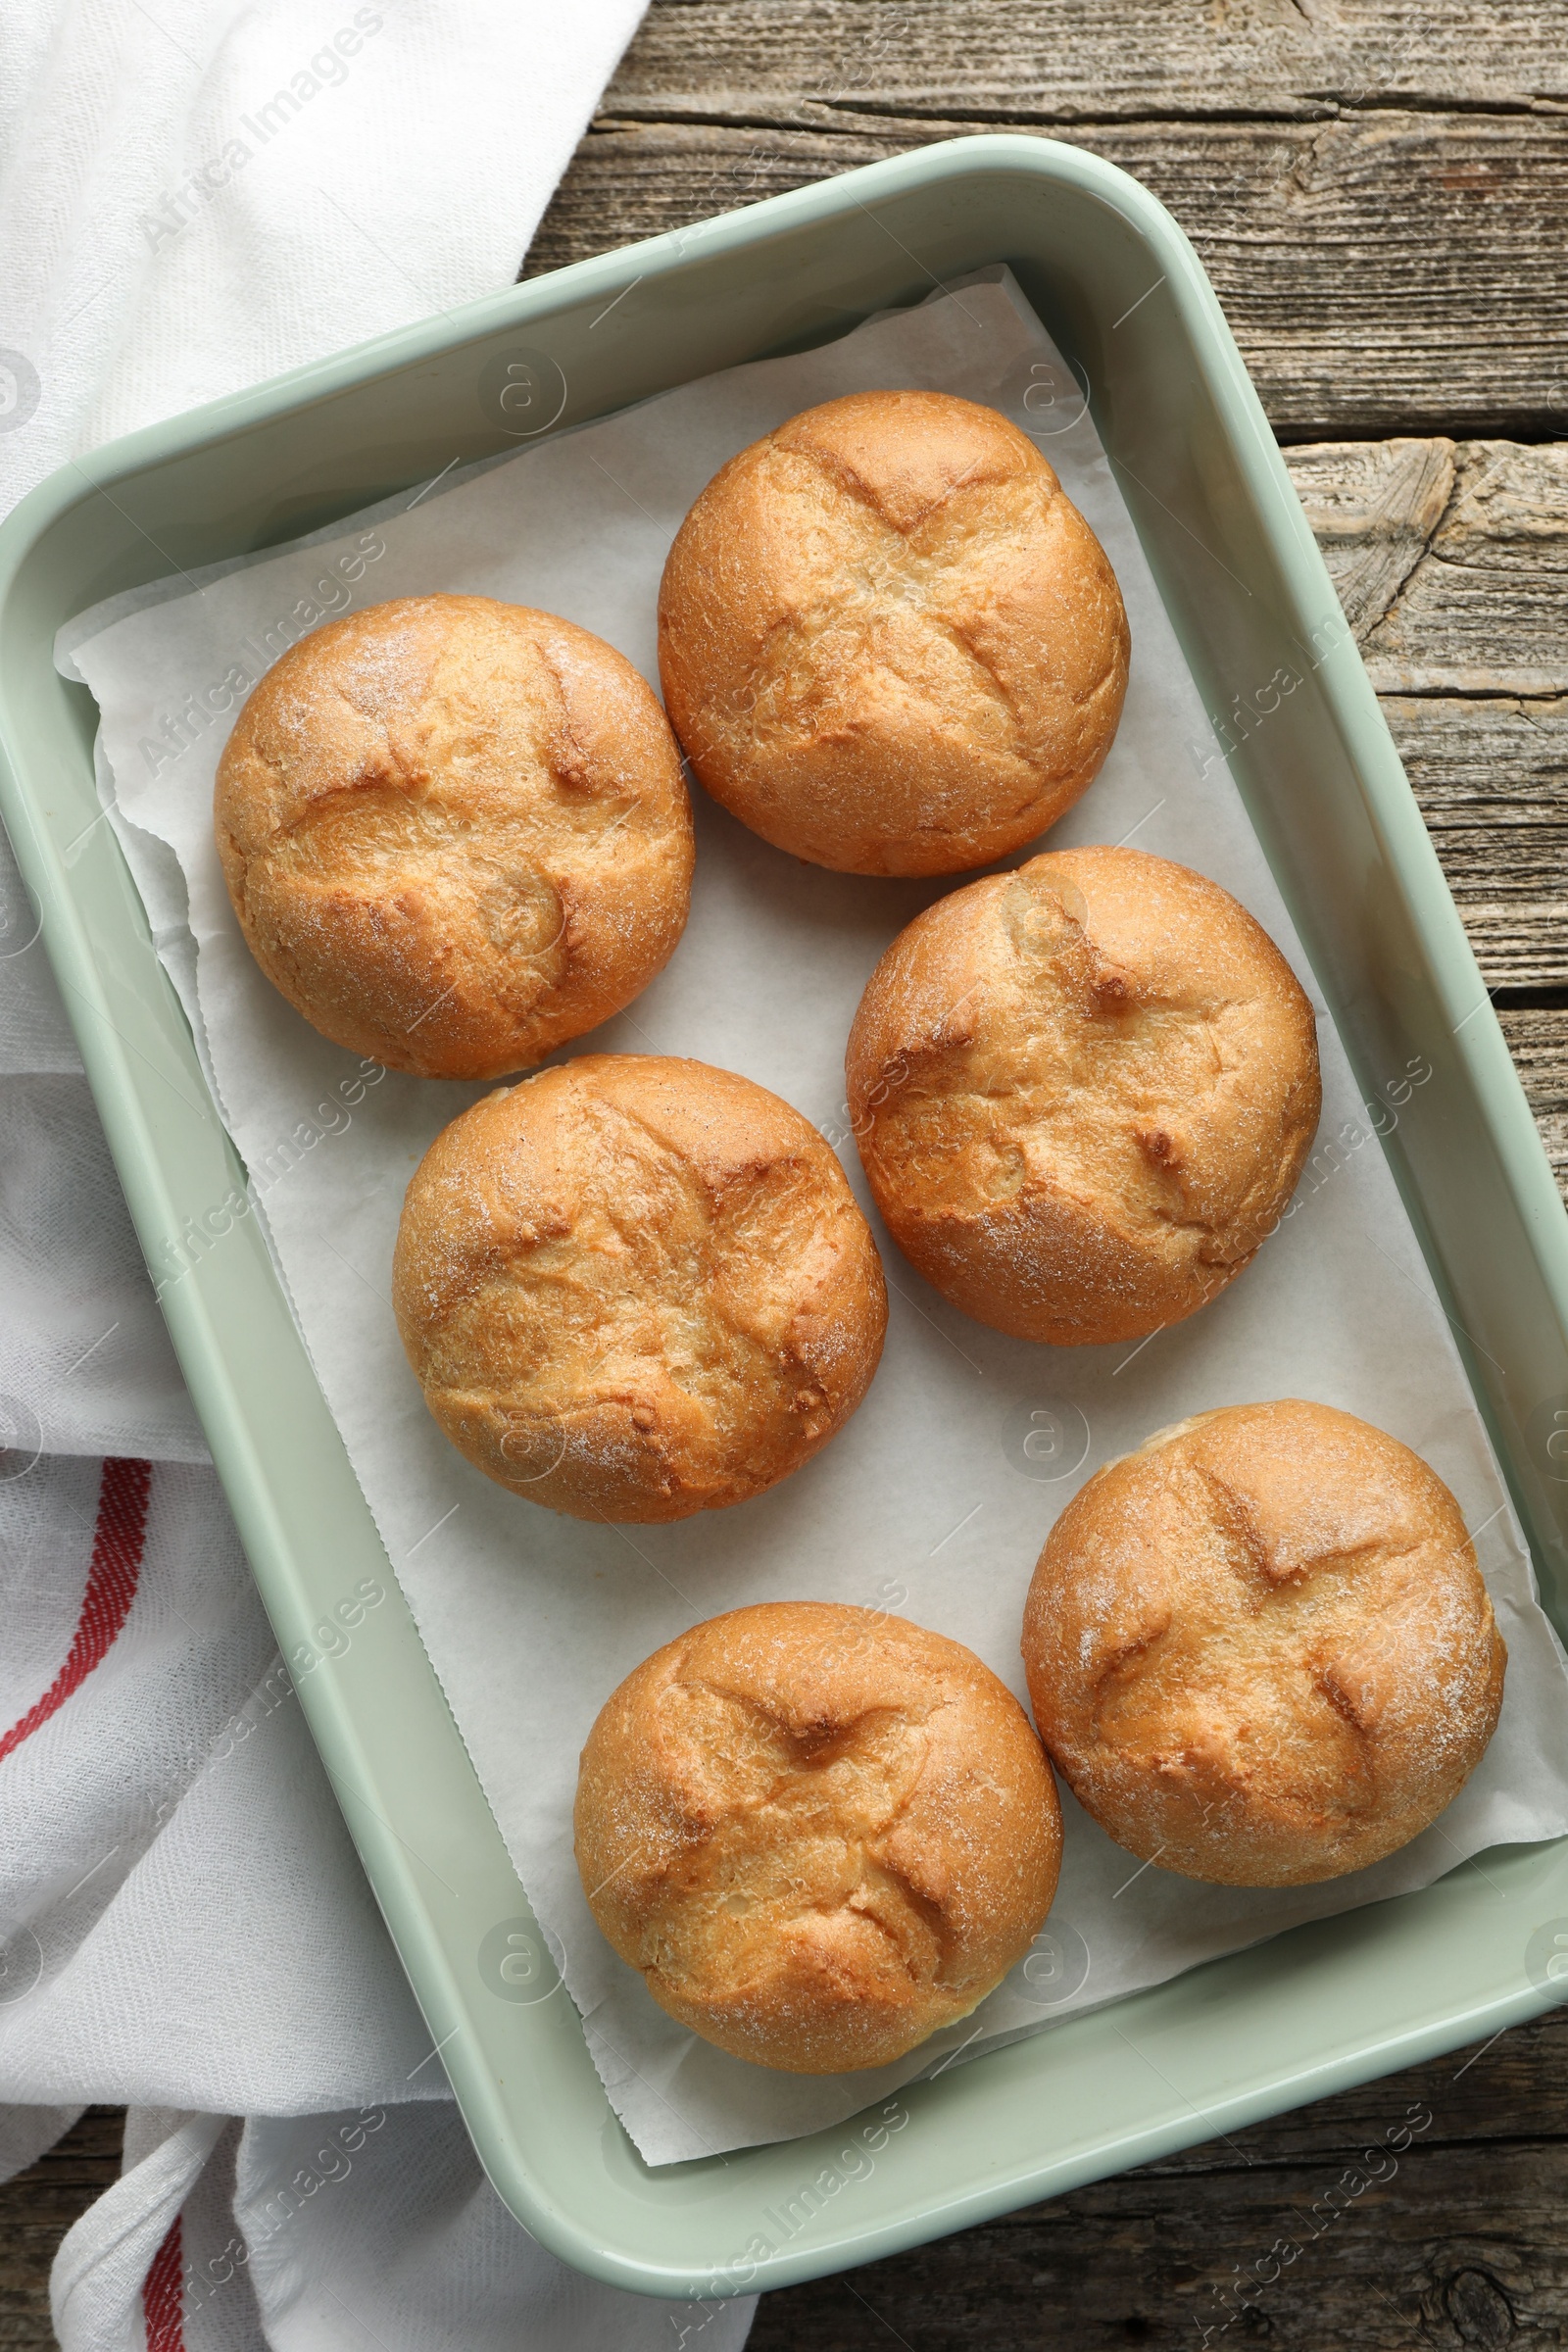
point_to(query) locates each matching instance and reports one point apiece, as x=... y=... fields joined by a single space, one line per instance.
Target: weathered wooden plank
x=1491 y=777
x=37 y=2208
x=1447 y=2253
x=1451 y=559
x=1485 y=609
x=1423 y=2209
x=1373 y=507
x=1071 y=60
x=1452 y=566
x=1539 y=1044
x=1383 y=273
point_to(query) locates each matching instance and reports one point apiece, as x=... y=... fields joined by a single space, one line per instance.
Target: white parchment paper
x=935 y=1500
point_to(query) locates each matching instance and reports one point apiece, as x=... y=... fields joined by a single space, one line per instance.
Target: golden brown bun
x=820 y=1832
x=888 y=640
x=635 y=1287
x=1083 y=1093
x=1260 y=1648
x=455 y=832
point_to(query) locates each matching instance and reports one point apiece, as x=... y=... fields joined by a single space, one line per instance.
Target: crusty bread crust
x=888 y=640
x=1260 y=1648
x=820 y=1832
x=634 y=1286
x=455 y=832
x=1083 y=1093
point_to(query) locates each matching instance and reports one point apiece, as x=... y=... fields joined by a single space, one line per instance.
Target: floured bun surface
x=635 y=1287
x=1260 y=1648
x=455 y=832
x=820 y=1832
x=888 y=640
x=1083 y=1093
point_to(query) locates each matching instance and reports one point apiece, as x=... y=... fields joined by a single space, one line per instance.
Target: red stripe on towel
x=117 y=1545
x=162 y=2292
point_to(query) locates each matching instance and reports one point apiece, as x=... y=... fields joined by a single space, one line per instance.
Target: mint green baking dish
x=1120 y=287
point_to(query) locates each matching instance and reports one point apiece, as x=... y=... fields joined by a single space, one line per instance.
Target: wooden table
x=1379 y=189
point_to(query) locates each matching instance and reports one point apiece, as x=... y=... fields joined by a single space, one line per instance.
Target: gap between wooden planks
x=1379 y=188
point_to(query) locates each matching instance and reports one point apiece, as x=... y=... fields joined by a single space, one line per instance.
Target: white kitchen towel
x=188 y=1930
x=185 y=1922
x=371 y=2227
x=195 y=195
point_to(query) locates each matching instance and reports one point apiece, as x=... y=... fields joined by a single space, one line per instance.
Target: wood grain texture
x=1452 y=562
x=1538 y=1040
x=1425 y=2210
x=1484 y=608
x=1451 y=559
x=1379 y=190
x=1381 y=272
x=36 y=2209
x=1074 y=61
x=1374 y=507
x=1491 y=777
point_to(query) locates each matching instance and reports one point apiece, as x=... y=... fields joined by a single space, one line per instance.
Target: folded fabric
x=369 y=2228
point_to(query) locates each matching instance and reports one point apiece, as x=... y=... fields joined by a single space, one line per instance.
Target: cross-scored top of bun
x=821 y=1833
x=1083 y=1093
x=1260 y=1648
x=636 y=1287
x=454 y=833
x=888 y=640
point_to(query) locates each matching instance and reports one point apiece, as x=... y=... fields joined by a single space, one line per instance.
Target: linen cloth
x=195 y=196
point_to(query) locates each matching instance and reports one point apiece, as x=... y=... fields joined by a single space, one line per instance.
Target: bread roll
x=820 y=1832
x=1260 y=1648
x=1083 y=1093
x=455 y=832
x=888 y=640
x=635 y=1287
